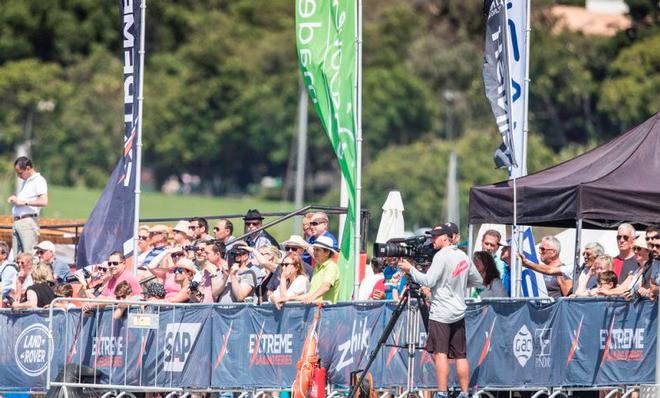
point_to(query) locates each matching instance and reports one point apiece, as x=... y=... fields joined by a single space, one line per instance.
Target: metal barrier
x=74 y=376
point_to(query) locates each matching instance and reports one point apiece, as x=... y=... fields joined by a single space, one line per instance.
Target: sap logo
x=31 y=350
x=179 y=341
x=523 y=346
x=542 y=342
x=358 y=342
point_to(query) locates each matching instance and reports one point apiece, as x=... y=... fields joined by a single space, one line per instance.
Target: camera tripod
x=415 y=309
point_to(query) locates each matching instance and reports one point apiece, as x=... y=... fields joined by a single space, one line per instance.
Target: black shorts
x=447 y=338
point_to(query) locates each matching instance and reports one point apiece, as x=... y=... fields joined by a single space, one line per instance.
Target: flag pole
x=358 y=151
x=138 y=156
x=515 y=238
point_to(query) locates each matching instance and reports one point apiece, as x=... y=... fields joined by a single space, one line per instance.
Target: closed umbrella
x=391 y=222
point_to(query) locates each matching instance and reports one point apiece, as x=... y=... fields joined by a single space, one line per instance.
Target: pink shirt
x=127 y=276
x=171 y=286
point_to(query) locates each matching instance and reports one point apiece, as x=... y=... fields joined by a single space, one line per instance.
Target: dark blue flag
x=110 y=226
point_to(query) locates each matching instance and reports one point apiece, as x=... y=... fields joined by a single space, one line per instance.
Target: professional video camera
x=418 y=249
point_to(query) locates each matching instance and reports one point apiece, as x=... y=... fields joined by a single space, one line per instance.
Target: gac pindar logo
x=542 y=344
x=31 y=350
x=523 y=347
x=179 y=341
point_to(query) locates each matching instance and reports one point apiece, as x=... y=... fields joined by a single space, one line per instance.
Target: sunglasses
x=638 y=249
x=192 y=227
x=290 y=249
x=656 y=246
x=177 y=254
x=143 y=237
x=155 y=233
x=543 y=249
x=315 y=223
x=114 y=263
x=40 y=252
x=624 y=237
x=284 y=264
x=103 y=269
x=252 y=223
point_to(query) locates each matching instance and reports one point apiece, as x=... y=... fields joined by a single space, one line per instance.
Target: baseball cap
x=46 y=245
x=443 y=229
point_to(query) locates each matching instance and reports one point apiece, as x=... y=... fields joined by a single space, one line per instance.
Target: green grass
x=77 y=203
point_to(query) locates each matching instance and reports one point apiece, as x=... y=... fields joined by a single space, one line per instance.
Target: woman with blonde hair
x=40 y=294
x=293 y=283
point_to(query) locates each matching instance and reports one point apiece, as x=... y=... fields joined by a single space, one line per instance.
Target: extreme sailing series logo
x=621 y=344
x=271 y=349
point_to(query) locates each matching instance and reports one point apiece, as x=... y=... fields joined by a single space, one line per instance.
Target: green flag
x=326 y=43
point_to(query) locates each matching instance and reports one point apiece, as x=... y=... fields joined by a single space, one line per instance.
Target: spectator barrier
x=576 y=343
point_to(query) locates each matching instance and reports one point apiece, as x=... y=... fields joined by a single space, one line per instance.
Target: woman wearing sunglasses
x=162 y=267
x=293 y=283
x=183 y=271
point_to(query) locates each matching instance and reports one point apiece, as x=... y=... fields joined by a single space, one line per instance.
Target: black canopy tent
x=615 y=182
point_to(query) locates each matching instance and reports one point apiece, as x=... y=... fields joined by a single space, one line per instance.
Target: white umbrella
x=391 y=226
x=391 y=222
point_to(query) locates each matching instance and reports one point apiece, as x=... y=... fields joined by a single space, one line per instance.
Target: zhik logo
x=179 y=341
x=523 y=346
x=358 y=342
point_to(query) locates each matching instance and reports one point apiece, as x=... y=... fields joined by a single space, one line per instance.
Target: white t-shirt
x=449 y=276
x=299 y=286
x=31 y=189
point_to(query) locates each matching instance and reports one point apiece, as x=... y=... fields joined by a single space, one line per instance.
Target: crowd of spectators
x=186 y=264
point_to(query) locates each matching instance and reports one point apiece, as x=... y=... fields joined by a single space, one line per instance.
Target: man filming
x=449 y=276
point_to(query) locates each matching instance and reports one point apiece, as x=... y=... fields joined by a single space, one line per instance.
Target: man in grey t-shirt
x=449 y=276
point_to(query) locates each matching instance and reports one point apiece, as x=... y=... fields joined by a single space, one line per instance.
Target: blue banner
x=110 y=226
x=581 y=343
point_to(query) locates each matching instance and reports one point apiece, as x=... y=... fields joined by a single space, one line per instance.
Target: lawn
x=77 y=203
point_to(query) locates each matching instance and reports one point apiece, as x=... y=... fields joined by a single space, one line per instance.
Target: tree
x=630 y=93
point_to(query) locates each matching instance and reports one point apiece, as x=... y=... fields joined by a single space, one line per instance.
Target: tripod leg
x=381 y=342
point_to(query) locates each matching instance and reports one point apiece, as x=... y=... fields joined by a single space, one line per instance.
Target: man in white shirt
x=27 y=202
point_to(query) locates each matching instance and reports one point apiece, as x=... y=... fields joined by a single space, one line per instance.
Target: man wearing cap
x=224 y=230
x=253 y=221
x=26 y=204
x=182 y=233
x=239 y=281
x=295 y=244
x=448 y=277
x=325 y=279
x=199 y=229
x=45 y=252
x=158 y=240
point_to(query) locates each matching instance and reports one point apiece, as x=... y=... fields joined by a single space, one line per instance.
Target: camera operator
x=449 y=277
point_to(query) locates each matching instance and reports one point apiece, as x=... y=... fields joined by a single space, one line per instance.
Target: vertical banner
x=532 y=283
x=110 y=226
x=326 y=45
x=517 y=21
x=504 y=75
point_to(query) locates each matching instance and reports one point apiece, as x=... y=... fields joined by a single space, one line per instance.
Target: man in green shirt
x=325 y=279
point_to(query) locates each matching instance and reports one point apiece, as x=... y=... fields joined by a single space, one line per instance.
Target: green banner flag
x=326 y=43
